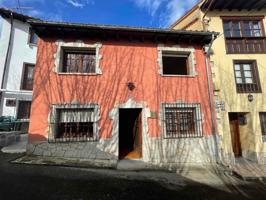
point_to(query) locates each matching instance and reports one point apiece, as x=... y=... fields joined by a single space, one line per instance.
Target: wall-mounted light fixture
x=131 y=86
x=250 y=98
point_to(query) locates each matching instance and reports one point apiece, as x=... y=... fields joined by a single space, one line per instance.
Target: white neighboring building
x=18 y=48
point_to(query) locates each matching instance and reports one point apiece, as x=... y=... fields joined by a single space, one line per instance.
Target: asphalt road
x=52 y=182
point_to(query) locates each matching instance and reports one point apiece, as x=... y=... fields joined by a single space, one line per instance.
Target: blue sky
x=147 y=13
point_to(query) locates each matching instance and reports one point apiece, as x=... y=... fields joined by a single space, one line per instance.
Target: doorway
x=130 y=134
x=235 y=134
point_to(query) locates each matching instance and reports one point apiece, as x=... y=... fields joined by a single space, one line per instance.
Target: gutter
x=8 y=50
x=211 y=100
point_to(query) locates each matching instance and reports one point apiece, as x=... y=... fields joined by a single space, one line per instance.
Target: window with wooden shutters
x=23 y=111
x=182 y=120
x=27 y=78
x=246 y=77
x=263 y=125
x=244 y=35
x=79 y=61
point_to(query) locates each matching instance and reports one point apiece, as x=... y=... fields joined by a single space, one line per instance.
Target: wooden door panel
x=235 y=137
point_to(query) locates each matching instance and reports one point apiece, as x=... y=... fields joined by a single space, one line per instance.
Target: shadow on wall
x=110 y=89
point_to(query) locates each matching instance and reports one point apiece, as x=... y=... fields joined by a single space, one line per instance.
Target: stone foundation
x=159 y=151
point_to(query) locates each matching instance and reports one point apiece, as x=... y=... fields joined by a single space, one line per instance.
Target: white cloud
x=175 y=9
x=151 y=5
x=34 y=13
x=80 y=3
x=167 y=10
x=75 y=3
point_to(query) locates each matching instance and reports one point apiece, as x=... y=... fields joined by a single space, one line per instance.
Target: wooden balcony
x=246 y=45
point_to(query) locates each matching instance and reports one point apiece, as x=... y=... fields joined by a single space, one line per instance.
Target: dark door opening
x=235 y=135
x=130 y=133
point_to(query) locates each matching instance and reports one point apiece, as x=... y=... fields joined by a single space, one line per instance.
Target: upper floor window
x=176 y=61
x=79 y=61
x=243 y=28
x=27 y=77
x=175 y=64
x=78 y=58
x=246 y=77
x=244 y=35
x=33 y=38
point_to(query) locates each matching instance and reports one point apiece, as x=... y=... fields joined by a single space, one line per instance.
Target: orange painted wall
x=121 y=62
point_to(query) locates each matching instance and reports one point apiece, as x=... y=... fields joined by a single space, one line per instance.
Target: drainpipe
x=6 y=60
x=8 y=50
x=210 y=91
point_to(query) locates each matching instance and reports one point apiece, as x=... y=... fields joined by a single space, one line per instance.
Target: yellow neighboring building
x=238 y=62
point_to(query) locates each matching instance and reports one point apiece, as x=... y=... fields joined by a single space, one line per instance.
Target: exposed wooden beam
x=262 y=5
x=253 y=6
x=214 y=4
x=232 y=5
x=224 y=6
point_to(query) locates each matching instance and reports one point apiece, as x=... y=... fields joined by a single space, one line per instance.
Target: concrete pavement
x=17 y=147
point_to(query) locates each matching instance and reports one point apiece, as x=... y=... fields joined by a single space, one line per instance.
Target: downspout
x=8 y=50
x=211 y=100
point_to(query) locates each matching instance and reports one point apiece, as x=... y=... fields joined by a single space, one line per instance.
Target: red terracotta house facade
x=111 y=93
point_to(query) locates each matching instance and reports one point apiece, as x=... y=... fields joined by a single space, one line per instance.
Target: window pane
x=239 y=80
x=27 y=79
x=246 y=67
x=33 y=37
x=257 y=33
x=237 y=67
x=236 y=29
x=24 y=109
x=226 y=25
x=227 y=31
x=238 y=74
x=79 y=62
x=248 y=74
x=256 y=25
x=248 y=80
x=247 y=30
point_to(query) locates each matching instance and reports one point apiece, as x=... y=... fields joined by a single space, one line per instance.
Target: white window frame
x=80 y=45
x=178 y=51
x=54 y=117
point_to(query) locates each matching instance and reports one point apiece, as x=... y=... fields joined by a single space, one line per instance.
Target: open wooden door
x=130 y=134
x=235 y=135
x=138 y=136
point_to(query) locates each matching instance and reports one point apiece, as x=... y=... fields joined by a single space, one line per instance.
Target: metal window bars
x=73 y=125
x=181 y=120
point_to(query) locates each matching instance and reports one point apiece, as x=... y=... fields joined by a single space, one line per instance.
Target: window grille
x=74 y=124
x=182 y=120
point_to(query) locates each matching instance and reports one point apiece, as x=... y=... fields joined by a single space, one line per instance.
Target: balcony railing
x=245 y=45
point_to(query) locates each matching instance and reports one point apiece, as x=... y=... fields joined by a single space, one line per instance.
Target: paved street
x=50 y=182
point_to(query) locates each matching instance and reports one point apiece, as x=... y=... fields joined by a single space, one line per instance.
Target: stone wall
x=193 y=151
x=7 y=138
